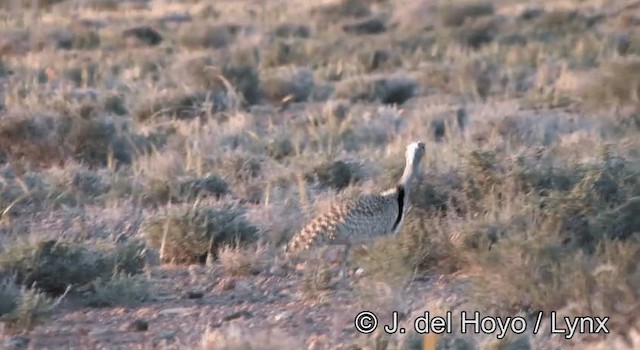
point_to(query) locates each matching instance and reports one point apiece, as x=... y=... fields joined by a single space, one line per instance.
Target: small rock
x=237 y=315
x=195 y=294
x=143 y=34
x=277 y=271
x=368 y=26
x=98 y=331
x=139 y=325
x=282 y=316
x=176 y=18
x=359 y=272
x=167 y=335
x=176 y=311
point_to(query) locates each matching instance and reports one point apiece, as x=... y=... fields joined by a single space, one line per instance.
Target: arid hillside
x=157 y=155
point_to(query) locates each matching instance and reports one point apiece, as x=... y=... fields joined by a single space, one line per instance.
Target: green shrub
x=21 y=308
x=54 y=265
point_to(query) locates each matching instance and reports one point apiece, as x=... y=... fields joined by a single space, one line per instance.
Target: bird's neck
x=407 y=175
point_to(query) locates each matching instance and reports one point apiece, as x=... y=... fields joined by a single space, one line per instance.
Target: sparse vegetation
x=159 y=191
x=336 y=174
x=290 y=84
x=135 y=135
x=23 y=308
x=55 y=265
x=235 y=338
x=119 y=289
x=617 y=84
x=456 y=15
x=392 y=90
x=190 y=235
x=242 y=260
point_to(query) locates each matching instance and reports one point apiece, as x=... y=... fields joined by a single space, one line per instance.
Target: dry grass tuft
x=280 y=148
x=102 y=275
x=383 y=341
x=288 y=84
x=197 y=36
x=457 y=15
x=476 y=33
x=289 y=51
x=368 y=26
x=291 y=30
x=48 y=141
x=54 y=265
x=559 y=22
x=241 y=261
x=184 y=106
x=618 y=84
x=26 y=139
x=159 y=191
x=97 y=143
x=188 y=235
x=343 y=8
x=29 y=3
x=335 y=174
x=21 y=308
x=119 y=289
x=391 y=90
x=143 y=34
x=234 y=338
x=316 y=282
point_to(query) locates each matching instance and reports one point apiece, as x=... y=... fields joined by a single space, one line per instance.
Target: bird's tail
x=290 y=248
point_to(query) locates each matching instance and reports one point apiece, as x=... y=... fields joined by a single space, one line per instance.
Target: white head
x=414 y=154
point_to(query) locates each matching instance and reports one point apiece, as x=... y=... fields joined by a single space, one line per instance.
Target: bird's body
x=353 y=221
x=363 y=219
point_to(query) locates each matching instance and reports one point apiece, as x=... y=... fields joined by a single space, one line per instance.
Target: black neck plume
x=400 y=190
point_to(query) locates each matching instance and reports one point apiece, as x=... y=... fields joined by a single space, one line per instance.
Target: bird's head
x=415 y=153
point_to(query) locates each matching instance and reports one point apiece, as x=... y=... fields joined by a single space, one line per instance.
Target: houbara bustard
x=360 y=220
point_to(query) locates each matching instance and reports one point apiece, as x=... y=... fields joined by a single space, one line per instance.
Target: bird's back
x=349 y=222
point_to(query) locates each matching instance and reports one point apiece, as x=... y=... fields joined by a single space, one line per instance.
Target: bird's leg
x=323 y=256
x=344 y=262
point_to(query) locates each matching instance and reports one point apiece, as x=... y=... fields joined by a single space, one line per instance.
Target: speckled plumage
x=352 y=221
x=360 y=220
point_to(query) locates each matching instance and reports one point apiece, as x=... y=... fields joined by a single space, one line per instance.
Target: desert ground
x=156 y=156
